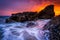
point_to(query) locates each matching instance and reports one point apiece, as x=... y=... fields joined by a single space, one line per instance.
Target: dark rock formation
x=31 y=24
x=46 y=13
x=54 y=27
x=21 y=17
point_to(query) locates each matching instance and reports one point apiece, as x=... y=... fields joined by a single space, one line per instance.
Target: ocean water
x=30 y=30
x=3 y=18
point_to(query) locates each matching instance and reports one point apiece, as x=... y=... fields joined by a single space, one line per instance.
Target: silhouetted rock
x=21 y=17
x=47 y=13
x=54 y=27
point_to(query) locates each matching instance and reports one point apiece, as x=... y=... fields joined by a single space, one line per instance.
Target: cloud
x=52 y=1
x=6 y=3
x=9 y=6
x=56 y=1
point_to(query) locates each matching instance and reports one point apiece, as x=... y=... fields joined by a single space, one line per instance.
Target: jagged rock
x=47 y=13
x=54 y=27
x=21 y=17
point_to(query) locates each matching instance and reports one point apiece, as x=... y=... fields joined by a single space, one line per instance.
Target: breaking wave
x=30 y=30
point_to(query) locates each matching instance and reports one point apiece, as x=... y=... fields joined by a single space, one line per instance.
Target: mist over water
x=30 y=30
x=3 y=18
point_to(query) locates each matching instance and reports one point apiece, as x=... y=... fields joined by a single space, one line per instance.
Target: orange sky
x=38 y=8
x=25 y=6
x=57 y=10
x=42 y=6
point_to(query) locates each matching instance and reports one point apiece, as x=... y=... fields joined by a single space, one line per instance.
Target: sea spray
x=20 y=31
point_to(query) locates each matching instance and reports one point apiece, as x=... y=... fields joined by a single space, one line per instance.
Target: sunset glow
x=41 y=7
x=8 y=7
x=57 y=10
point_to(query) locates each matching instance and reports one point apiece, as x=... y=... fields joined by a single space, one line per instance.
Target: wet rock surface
x=54 y=27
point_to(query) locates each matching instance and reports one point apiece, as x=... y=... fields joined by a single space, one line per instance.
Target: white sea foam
x=20 y=31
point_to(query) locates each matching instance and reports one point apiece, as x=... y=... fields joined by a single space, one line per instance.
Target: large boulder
x=47 y=12
x=54 y=27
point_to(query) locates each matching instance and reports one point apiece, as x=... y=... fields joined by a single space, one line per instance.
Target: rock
x=31 y=24
x=47 y=12
x=9 y=20
x=54 y=27
x=21 y=17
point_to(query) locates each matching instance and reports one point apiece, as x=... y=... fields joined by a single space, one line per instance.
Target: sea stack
x=47 y=12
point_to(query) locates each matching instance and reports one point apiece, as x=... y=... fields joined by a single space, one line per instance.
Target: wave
x=30 y=30
x=3 y=18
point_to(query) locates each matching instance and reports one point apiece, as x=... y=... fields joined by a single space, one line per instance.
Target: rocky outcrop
x=21 y=17
x=46 y=13
x=54 y=27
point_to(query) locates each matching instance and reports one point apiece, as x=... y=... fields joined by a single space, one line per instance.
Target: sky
x=7 y=7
